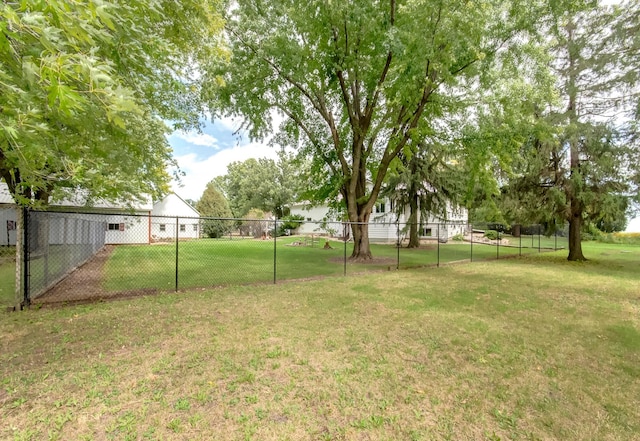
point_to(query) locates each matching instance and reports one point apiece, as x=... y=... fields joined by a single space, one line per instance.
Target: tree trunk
x=515 y=230
x=361 y=249
x=414 y=237
x=574 y=186
x=575 y=229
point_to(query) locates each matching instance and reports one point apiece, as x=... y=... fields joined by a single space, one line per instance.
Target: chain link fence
x=81 y=257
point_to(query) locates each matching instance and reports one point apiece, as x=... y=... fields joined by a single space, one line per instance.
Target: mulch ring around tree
x=84 y=284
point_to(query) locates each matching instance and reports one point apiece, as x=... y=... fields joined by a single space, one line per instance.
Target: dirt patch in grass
x=84 y=284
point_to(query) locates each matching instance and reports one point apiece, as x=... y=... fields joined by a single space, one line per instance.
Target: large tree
x=578 y=165
x=359 y=81
x=262 y=183
x=213 y=205
x=85 y=87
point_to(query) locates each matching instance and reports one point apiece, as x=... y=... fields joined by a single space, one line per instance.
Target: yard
x=130 y=269
x=517 y=349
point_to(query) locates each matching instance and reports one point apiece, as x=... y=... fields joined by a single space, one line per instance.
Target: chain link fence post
x=275 y=236
x=344 y=239
x=177 y=229
x=471 y=236
x=25 y=258
x=398 y=244
x=438 y=240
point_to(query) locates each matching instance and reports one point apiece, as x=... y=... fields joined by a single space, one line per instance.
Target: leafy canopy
x=84 y=89
x=359 y=81
x=262 y=183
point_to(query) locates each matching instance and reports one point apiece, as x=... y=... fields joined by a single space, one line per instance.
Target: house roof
x=79 y=201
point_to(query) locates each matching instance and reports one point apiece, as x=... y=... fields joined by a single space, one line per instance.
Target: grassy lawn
x=517 y=349
x=213 y=262
x=207 y=263
x=7 y=283
x=7 y=276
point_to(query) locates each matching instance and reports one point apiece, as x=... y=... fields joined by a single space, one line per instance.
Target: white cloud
x=229 y=123
x=634 y=225
x=202 y=139
x=233 y=124
x=199 y=172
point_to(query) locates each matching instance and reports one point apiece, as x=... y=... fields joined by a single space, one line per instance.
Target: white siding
x=163 y=228
x=382 y=225
x=173 y=206
x=313 y=218
x=135 y=229
x=68 y=228
x=7 y=213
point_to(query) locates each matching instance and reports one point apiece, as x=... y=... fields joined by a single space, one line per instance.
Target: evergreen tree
x=215 y=209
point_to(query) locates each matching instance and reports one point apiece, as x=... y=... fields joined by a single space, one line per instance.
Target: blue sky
x=203 y=156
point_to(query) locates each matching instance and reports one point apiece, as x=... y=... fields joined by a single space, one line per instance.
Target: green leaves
x=263 y=183
x=85 y=85
x=213 y=204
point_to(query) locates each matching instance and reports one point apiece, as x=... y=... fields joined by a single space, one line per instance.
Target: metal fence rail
x=78 y=257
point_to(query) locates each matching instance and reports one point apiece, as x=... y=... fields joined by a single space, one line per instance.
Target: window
x=380 y=207
x=115 y=227
x=308 y=219
x=183 y=227
x=427 y=232
x=195 y=227
x=163 y=227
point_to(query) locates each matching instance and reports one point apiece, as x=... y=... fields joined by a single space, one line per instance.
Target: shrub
x=291 y=222
x=491 y=234
x=592 y=233
x=458 y=237
x=621 y=238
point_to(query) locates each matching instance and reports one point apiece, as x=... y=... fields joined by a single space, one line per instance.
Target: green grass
x=213 y=262
x=7 y=283
x=210 y=262
x=517 y=349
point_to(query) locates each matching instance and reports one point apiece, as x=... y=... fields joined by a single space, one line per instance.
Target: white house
x=7 y=216
x=384 y=222
x=173 y=214
x=134 y=225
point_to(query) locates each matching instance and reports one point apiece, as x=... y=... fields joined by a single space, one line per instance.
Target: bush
x=291 y=222
x=621 y=238
x=216 y=228
x=592 y=233
x=491 y=234
x=458 y=238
